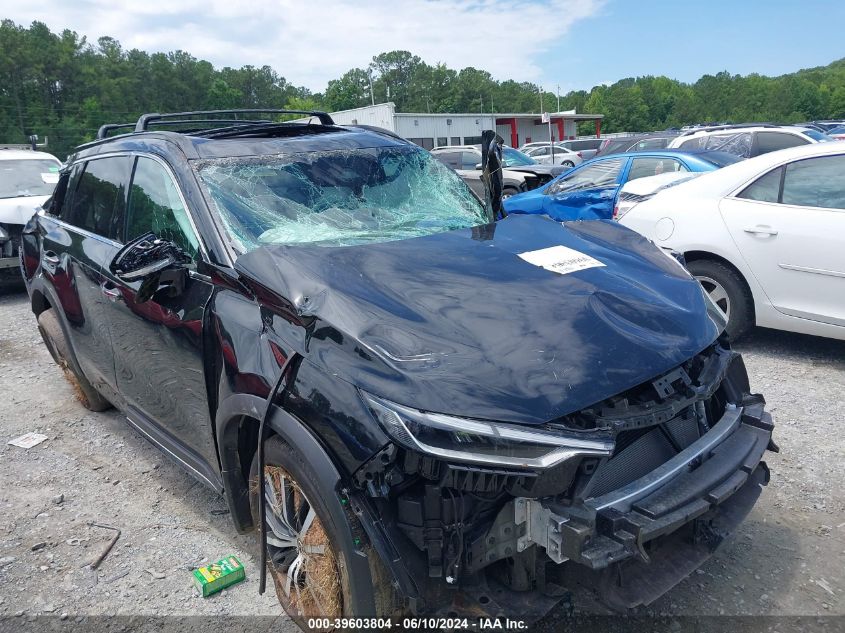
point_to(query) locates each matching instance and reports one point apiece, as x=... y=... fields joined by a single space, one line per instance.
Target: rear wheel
x=728 y=291
x=54 y=339
x=306 y=557
x=568 y=164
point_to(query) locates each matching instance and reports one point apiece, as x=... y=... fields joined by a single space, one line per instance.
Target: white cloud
x=311 y=42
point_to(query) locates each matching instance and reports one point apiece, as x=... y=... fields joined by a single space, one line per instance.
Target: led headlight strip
x=475 y=441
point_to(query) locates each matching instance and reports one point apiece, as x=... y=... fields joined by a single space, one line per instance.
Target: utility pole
x=372 y=94
x=558 y=98
x=540 y=90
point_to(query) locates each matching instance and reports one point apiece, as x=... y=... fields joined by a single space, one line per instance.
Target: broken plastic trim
x=476 y=441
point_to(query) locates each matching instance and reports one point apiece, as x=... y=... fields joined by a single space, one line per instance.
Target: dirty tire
x=54 y=339
x=329 y=581
x=735 y=292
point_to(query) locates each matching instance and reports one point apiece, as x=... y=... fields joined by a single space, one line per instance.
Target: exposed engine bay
x=684 y=466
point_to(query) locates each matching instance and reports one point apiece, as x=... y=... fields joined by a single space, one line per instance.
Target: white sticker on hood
x=560 y=259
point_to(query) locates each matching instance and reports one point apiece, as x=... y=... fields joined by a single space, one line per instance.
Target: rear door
x=587 y=192
x=789 y=226
x=74 y=250
x=158 y=344
x=467 y=162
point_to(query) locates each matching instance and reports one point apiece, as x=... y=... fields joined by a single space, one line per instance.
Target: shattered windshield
x=28 y=177
x=337 y=198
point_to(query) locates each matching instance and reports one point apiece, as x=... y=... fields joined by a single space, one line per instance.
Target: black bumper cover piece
x=694 y=501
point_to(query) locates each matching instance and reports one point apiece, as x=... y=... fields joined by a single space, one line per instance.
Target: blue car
x=589 y=191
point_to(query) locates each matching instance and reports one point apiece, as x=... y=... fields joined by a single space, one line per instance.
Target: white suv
x=27 y=179
x=747 y=141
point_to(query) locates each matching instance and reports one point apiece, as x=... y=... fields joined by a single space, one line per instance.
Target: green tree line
x=63 y=87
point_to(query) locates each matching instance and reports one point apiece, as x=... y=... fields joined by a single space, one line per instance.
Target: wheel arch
x=699 y=255
x=238 y=419
x=39 y=302
x=237 y=431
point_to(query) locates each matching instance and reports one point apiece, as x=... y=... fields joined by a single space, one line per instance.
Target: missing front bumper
x=695 y=488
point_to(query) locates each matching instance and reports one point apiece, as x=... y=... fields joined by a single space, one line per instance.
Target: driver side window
x=600 y=174
x=155 y=206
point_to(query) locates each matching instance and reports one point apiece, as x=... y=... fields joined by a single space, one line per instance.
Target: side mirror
x=478 y=165
x=151 y=261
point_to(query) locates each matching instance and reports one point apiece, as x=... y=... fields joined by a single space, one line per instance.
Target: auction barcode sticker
x=560 y=259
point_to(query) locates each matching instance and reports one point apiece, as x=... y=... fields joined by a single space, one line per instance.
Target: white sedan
x=765 y=237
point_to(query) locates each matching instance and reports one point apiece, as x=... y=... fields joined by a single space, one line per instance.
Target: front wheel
x=308 y=554
x=728 y=291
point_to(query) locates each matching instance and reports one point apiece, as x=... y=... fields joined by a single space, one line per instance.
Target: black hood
x=459 y=323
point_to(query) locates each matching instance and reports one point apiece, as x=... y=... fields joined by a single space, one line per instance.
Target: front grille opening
x=640 y=451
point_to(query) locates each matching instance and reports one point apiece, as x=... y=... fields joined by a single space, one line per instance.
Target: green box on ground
x=224 y=573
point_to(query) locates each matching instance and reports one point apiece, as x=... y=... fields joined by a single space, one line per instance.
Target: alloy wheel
x=717 y=293
x=302 y=563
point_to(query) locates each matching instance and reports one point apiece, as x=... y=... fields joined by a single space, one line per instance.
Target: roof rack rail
x=105 y=129
x=729 y=126
x=146 y=119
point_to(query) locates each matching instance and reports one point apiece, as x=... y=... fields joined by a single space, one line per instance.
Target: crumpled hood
x=459 y=323
x=20 y=210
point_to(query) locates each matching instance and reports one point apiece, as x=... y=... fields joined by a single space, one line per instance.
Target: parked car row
x=742 y=140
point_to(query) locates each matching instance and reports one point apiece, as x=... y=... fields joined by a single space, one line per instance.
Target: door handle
x=760 y=229
x=49 y=257
x=111 y=293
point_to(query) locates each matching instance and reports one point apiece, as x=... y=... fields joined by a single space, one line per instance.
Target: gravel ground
x=788 y=557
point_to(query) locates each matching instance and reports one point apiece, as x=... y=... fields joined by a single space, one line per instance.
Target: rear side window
x=815 y=182
x=155 y=205
x=644 y=167
x=765 y=189
x=773 y=141
x=738 y=144
x=99 y=196
x=650 y=143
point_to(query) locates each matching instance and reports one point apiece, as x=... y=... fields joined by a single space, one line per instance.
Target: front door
x=158 y=344
x=585 y=193
x=789 y=226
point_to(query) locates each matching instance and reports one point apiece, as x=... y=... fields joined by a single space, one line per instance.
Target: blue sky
x=684 y=40
x=576 y=43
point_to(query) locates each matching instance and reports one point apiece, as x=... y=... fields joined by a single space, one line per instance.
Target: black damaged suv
x=434 y=413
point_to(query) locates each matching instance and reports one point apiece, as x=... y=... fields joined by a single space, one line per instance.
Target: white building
x=432 y=130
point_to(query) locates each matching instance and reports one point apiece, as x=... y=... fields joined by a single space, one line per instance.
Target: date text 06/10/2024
x=480 y=624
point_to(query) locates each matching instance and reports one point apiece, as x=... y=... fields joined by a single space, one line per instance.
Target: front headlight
x=476 y=441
